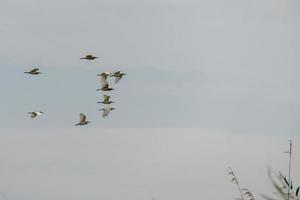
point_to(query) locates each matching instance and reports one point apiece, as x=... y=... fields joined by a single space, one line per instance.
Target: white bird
x=35 y=113
x=106 y=100
x=103 y=76
x=106 y=111
x=34 y=71
x=118 y=76
x=105 y=86
x=83 y=120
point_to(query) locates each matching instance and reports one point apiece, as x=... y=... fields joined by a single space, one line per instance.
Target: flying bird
x=118 y=76
x=35 y=113
x=106 y=100
x=105 y=86
x=103 y=76
x=83 y=120
x=106 y=111
x=89 y=57
x=34 y=71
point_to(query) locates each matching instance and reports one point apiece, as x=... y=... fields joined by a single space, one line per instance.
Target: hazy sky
x=230 y=66
x=208 y=64
x=134 y=164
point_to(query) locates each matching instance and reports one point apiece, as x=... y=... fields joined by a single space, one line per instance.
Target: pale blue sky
x=228 y=69
x=205 y=64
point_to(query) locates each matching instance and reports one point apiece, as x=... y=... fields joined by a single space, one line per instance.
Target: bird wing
x=106 y=97
x=82 y=117
x=117 y=73
x=34 y=70
x=114 y=73
x=106 y=111
x=33 y=114
x=117 y=79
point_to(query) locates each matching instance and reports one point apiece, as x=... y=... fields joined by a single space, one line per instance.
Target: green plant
x=245 y=194
x=282 y=184
x=284 y=188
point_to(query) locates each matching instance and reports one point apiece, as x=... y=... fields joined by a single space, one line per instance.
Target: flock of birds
x=105 y=87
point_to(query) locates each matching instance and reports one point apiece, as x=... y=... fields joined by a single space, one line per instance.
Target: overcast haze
x=224 y=68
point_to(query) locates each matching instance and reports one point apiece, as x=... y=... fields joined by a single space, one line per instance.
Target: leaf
x=276 y=186
x=284 y=178
x=231 y=173
x=247 y=194
x=233 y=180
x=297 y=191
x=283 y=187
